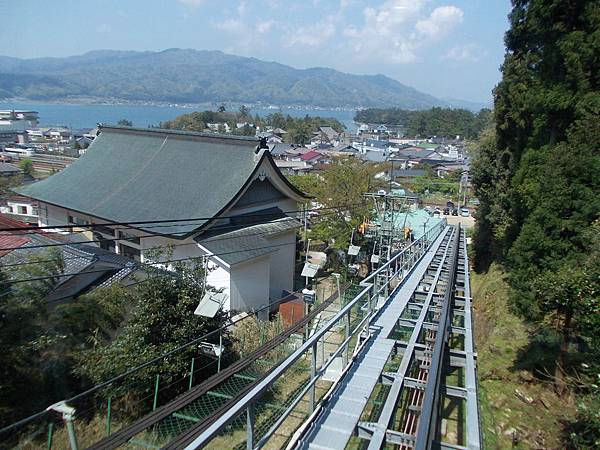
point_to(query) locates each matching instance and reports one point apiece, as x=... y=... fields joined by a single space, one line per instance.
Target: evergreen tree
x=537 y=174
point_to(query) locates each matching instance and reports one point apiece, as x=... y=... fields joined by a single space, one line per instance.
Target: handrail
x=243 y=403
x=247 y=401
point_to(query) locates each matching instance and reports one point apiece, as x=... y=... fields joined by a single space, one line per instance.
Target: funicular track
x=408 y=382
x=176 y=410
x=425 y=395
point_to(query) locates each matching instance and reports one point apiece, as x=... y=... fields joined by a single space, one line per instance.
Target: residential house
x=85 y=267
x=293 y=167
x=325 y=137
x=218 y=197
x=311 y=157
x=19 y=207
x=219 y=127
x=270 y=137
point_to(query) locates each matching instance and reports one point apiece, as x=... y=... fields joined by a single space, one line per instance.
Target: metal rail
x=125 y=434
x=428 y=419
x=417 y=401
x=401 y=263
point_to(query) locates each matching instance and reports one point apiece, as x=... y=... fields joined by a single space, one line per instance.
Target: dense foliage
x=340 y=186
x=298 y=130
x=191 y=76
x=440 y=122
x=54 y=350
x=537 y=173
x=161 y=319
x=39 y=341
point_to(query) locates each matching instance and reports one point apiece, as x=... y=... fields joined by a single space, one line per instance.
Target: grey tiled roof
x=9 y=168
x=133 y=174
x=246 y=243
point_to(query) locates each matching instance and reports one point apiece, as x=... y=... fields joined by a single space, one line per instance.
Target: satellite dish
x=309 y=270
x=353 y=250
x=211 y=303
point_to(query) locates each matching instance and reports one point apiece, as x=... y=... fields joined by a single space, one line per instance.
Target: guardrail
x=428 y=419
x=360 y=308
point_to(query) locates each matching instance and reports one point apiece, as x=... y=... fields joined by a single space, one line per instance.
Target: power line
x=128 y=225
x=93 y=389
x=216 y=228
x=207 y=240
x=146 y=264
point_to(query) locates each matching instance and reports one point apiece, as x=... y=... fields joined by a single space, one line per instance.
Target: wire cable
x=93 y=389
x=207 y=240
x=169 y=222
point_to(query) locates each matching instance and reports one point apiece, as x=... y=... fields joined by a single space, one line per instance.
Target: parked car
x=446 y=211
x=436 y=212
x=464 y=212
x=455 y=212
x=450 y=205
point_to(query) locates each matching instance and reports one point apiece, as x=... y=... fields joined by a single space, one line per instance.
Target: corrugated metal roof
x=9 y=241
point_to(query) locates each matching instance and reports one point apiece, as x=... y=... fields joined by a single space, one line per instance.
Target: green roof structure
x=137 y=174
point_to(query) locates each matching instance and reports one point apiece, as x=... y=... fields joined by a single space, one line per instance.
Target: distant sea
x=80 y=116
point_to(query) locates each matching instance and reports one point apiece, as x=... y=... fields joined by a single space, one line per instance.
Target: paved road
x=467 y=222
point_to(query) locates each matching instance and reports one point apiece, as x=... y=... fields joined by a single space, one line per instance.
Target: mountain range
x=199 y=76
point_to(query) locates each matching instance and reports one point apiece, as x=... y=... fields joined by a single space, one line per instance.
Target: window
x=35 y=211
x=105 y=244
x=104 y=230
x=129 y=237
x=10 y=209
x=23 y=210
x=130 y=252
x=77 y=220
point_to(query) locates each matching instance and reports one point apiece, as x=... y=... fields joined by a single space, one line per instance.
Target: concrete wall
x=219 y=278
x=282 y=264
x=250 y=285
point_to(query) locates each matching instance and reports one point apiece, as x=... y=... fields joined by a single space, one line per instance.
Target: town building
x=218 y=197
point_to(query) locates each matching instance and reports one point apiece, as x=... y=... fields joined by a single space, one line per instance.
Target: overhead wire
x=163 y=222
x=253 y=312
x=158 y=247
x=60 y=244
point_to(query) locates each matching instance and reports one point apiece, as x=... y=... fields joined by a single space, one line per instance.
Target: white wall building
x=216 y=197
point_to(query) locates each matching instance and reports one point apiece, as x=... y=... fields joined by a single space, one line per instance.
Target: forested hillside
x=537 y=176
x=298 y=130
x=440 y=122
x=193 y=76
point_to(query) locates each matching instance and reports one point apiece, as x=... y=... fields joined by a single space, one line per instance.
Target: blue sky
x=449 y=48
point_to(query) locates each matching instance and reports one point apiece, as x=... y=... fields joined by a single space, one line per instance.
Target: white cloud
x=265 y=27
x=398 y=29
x=464 y=53
x=103 y=28
x=312 y=35
x=440 y=22
x=231 y=26
x=241 y=9
x=192 y=3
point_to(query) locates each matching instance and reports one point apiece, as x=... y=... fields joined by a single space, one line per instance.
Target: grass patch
x=503 y=343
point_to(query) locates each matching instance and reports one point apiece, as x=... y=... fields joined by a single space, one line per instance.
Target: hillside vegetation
x=191 y=76
x=297 y=130
x=536 y=175
x=440 y=122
